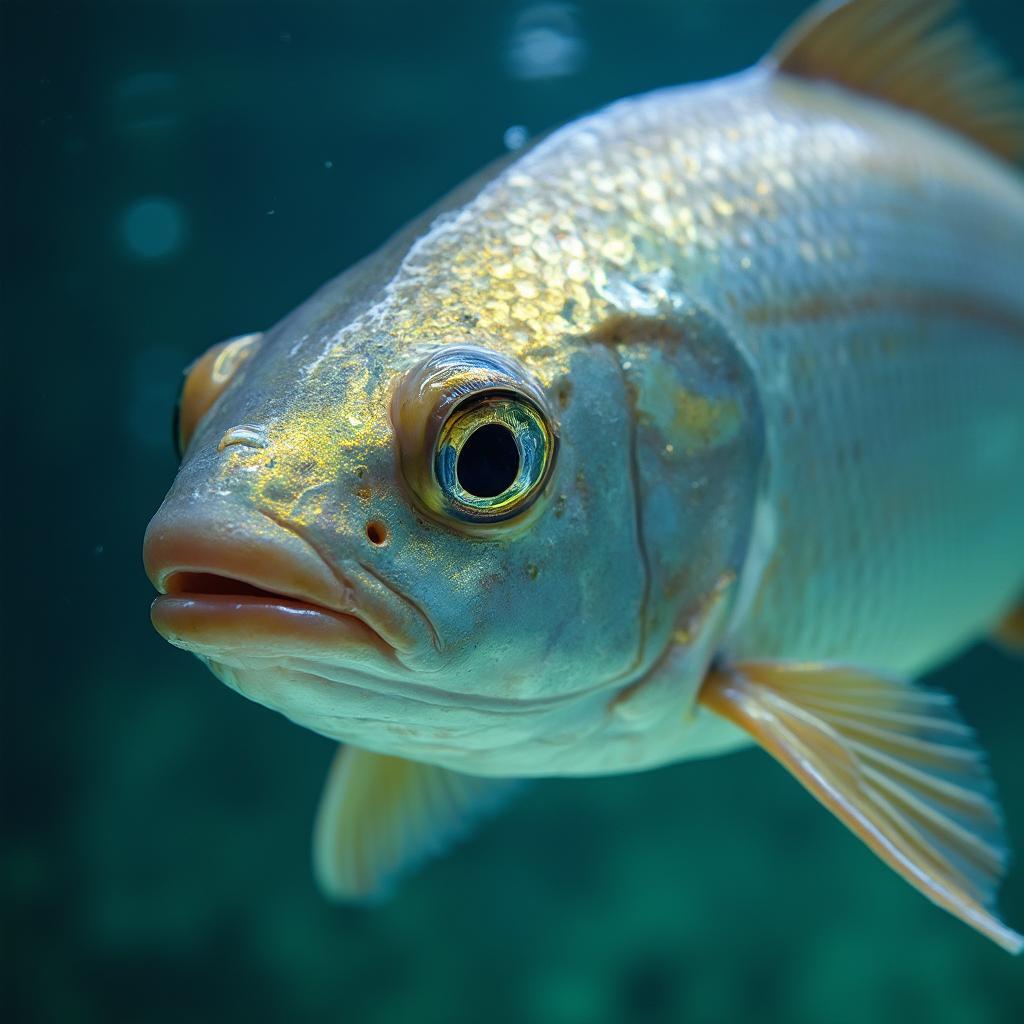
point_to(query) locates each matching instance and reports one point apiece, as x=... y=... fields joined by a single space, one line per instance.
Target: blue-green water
x=177 y=173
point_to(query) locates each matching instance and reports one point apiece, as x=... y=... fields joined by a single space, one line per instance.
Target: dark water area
x=178 y=173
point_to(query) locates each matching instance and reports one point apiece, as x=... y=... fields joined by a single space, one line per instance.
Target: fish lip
x=216 y=624
x=283 y=566
x=200 y=569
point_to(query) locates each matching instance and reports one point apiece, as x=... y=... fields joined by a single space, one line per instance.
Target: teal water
x=175 y=173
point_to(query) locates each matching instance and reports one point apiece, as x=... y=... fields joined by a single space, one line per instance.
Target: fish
x=696 y=424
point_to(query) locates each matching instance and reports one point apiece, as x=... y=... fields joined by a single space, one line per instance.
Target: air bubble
x=515 y=137
x=153 y=228
x=546 y=42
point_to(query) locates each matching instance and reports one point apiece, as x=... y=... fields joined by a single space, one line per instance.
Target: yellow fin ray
x=972 y=851
x=381 y=816
x=920 y=844
x=902 y=773
x=912 y=54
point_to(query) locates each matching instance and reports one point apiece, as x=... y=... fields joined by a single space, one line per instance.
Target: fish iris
x=492 y=457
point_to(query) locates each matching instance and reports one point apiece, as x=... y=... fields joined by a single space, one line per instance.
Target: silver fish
x=696 y=424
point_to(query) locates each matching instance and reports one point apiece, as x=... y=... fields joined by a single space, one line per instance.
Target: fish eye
x=476 y=441
x=204 y=382
x=491 y=457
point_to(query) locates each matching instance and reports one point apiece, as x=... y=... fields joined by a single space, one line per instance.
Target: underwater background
x=177 y=173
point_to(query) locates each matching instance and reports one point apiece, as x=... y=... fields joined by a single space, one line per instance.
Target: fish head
x=370 y=537
x=421 y=531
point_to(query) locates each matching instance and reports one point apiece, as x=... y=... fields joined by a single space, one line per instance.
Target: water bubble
x=328 y=164
x=546 y=42
x=515 y=137
x=153 y=228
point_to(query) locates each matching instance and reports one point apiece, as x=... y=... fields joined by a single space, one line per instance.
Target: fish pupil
x=489 y=461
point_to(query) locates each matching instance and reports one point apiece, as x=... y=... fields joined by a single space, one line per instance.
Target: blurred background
x=176 y=173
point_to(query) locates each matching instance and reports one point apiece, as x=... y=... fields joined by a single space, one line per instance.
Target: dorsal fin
x=915 y=54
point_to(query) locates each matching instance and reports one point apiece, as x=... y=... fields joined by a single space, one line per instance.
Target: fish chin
x=332 y=673
x=388 y=715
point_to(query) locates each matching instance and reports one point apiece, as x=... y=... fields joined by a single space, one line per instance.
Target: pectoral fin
x=381 y=816
x=893 y=762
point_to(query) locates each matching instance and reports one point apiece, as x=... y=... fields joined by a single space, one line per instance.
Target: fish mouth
x=264 y=593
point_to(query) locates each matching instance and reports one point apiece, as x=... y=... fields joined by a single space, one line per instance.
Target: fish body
x=750 y=356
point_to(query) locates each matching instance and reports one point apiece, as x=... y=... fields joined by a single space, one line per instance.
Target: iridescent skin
x=780 y=328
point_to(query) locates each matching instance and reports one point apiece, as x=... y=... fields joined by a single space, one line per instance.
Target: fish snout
x=187 y=551
x=240 y=579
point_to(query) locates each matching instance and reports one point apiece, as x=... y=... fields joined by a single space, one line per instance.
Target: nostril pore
x=245 y=434
x=376 y=533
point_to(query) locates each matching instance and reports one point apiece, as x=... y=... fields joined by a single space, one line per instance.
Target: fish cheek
x=558 y=607
x=696 y=449
x=544 y=604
